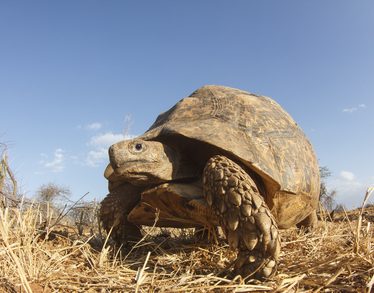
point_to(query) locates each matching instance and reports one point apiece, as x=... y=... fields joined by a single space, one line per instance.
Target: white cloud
x=346 y=175
x=354 y=109
x=97 y=157
x=57 y=163
x=94 y=126
x=100 y=144
x=91 y=126
x=44 y=156
x=350 y=110
x=106 y=139
x=350 y=190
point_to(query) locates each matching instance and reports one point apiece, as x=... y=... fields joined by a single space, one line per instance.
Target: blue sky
x=75 y=76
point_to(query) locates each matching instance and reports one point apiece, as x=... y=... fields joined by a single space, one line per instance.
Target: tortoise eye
x=138 y=147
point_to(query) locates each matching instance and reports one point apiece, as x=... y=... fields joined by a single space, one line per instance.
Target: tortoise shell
x=252 y=129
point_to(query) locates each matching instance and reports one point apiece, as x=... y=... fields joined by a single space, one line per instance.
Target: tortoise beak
x=108 y=172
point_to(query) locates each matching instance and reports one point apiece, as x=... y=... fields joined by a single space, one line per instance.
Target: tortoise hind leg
x=246 y=219
x=310 y=222
x=202 y=234
x=114 y=210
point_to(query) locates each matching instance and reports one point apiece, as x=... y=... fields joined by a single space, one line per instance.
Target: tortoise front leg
x=114 y=210
x=246 y=219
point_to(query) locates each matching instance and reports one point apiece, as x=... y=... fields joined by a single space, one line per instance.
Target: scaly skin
x=246 y=219
x=114 y=210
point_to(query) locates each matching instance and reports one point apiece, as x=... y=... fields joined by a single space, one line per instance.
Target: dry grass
x=337 y=256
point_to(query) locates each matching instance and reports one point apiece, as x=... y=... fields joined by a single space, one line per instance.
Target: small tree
x=326 y=197
x=85 y=215
x=8 y=182
x=48 y=193
x=340 y=208
x=52 y=213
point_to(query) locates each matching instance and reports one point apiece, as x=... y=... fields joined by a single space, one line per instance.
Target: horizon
x=78 y=76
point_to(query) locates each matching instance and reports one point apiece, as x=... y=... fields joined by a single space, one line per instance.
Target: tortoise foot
x=246 y=219
x=254 y=263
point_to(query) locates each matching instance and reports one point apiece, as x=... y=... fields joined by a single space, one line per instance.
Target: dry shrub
x=337 y=256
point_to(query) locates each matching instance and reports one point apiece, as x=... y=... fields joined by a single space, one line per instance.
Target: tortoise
x=219 y=157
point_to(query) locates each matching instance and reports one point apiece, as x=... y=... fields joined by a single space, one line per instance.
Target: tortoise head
x=143 y=162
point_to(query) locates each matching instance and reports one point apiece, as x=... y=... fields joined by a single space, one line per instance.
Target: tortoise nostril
x=116 y=156
x=112 y=156
x=111 y=151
